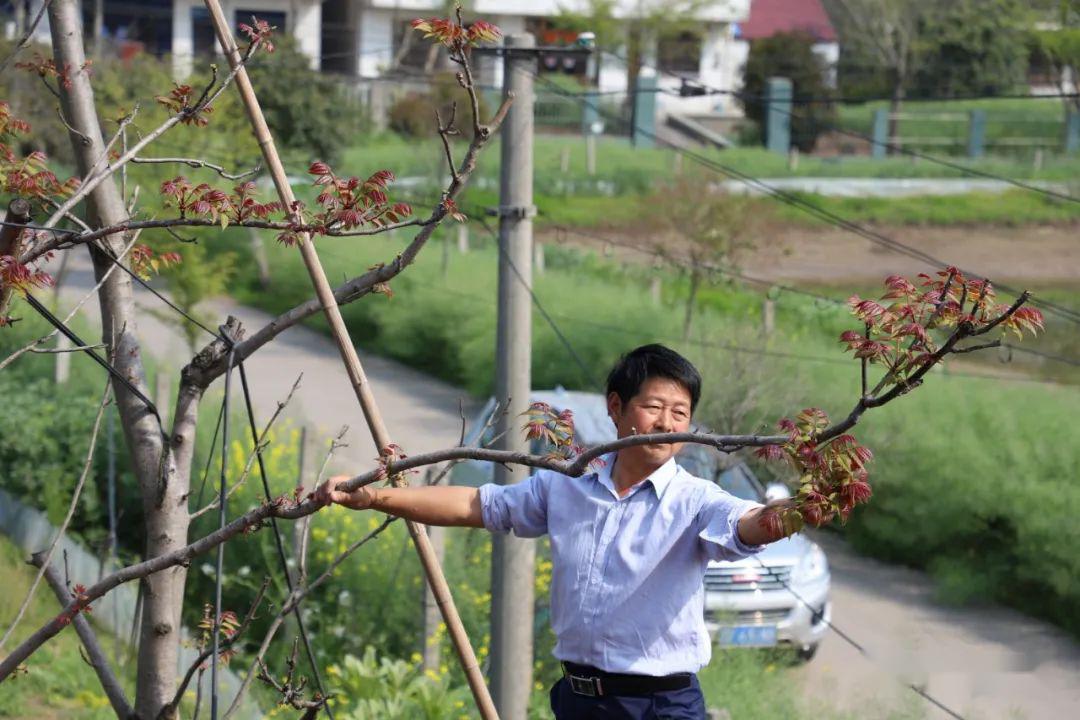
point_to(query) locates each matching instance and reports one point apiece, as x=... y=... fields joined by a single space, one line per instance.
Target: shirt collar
x=660 y=478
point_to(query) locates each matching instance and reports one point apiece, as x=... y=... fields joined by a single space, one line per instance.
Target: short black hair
x=650 y=361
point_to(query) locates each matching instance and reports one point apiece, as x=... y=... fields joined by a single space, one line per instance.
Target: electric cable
x=223 y=499
x=830 y=217
x=279 y=545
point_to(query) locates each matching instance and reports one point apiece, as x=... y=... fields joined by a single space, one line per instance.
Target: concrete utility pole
x=511 y=557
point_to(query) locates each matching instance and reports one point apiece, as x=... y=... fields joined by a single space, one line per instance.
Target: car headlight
x=812 y=567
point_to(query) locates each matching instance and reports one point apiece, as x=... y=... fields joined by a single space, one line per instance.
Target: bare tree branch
x=293 y=600
x=25 y=41
x=975 y=348
x=94 y=654
x=260 y=445
x=193 y=163
x=45 y=338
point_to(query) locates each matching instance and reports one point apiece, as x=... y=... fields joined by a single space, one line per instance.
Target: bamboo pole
x=361 y=387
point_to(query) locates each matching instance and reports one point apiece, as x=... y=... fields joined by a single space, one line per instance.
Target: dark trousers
x=685 y=704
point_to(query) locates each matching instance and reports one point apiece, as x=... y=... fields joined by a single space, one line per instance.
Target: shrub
x=789 y=55
x=370 y=687
x=413 y=114
x=308 y=111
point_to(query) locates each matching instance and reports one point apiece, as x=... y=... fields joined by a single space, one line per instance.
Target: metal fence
x=115 y=612
x=975 y=133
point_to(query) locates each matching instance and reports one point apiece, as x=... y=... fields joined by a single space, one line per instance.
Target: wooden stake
x=358 y=379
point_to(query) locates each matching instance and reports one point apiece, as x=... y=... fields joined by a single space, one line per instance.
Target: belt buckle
x=587 y=686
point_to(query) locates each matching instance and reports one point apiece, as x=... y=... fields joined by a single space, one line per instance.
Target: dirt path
x=1046 y=254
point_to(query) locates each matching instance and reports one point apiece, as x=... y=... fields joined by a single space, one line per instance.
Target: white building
x=366 y=37
x=371 y=38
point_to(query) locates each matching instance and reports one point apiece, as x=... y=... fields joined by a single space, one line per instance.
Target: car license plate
x=748 y=636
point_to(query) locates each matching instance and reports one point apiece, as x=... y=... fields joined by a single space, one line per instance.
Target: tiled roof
x=769 y=17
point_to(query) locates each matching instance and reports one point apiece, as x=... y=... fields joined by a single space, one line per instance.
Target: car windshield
x=739 y=484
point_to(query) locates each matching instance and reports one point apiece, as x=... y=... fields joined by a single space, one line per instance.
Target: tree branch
x=262 y=443
x=93 y=180
x=113 y=690
x=974 y=348
x=194 y=163
x=363 y=284
x=44 y=338
x=292 y=601
x=25 y=41
x=169 y=710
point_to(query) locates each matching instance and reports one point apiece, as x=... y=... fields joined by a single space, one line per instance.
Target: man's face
x=661 y=405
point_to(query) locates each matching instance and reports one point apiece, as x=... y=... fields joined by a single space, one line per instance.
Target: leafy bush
x=45 y=432
x=370 y=687
x=309 y=112
x=789 y=55
x=413 y=114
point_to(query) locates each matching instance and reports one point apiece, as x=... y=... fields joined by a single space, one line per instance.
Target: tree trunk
x=163 y=481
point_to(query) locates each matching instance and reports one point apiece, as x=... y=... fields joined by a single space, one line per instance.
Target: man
x=629 y=546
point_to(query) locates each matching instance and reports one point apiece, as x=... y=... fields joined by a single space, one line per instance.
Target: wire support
x=279 y=545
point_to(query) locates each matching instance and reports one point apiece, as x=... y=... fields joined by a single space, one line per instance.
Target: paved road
x=421 y=413
x=986 y=662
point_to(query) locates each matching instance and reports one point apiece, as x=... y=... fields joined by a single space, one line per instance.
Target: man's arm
x=430 y=505
x=754 y=532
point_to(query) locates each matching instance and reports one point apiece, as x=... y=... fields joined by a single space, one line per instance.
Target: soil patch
x=1043 y=254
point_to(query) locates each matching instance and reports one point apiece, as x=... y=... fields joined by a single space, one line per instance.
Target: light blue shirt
x=627 y=591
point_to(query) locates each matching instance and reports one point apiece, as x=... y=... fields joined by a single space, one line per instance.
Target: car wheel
x=806 y=653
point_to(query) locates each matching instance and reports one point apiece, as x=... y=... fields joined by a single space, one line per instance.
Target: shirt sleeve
x=719 y=522
x=521 y=507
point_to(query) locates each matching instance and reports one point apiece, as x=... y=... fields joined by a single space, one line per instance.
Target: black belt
x=593 y=682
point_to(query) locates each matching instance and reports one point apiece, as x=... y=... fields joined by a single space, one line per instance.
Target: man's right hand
x=361 y=498
x=426 y=504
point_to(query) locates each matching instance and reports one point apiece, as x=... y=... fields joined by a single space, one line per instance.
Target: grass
x=57 y=683
x=621 y=192
x=621 y=166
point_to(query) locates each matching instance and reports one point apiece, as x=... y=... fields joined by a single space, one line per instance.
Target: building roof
x=769 y=17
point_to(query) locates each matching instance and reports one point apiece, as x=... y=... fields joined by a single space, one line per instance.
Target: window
x=679 y=53
x=127 y=24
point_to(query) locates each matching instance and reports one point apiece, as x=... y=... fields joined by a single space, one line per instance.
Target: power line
x=785 y=288
x=809 y=99
x=828 y=216
x=478 y=213
x=909 y=152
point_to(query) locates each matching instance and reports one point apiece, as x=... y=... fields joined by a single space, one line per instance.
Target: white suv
x=779 y=596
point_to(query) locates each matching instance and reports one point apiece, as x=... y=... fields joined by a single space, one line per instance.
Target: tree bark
x=163 y=481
